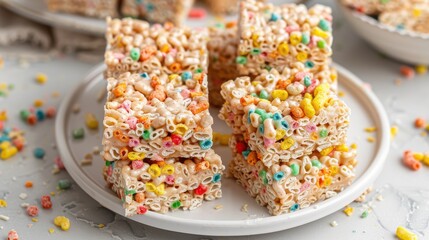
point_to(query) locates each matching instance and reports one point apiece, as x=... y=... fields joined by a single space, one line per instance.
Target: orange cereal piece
x=175 y=67
x=419 y=123
x=252 y=158
x=230 y=24
x=28 y=184
x=282 y=84
x=139 y=197
x=119 y=90
x=407 y=72
x=203 y=165
x=155 y=81
x=247 y=100
x=297 y=112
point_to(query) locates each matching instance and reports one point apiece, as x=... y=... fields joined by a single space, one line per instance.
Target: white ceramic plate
x=406 y=46
x=366 y=111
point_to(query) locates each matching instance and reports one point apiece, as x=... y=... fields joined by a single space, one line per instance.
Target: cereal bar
x=296 y=184
x=283 y=37
x=163 y=185
x=287 y=116
x=159 y=11
x=91 y=8
x=222 y=48
x=151 y=116
x=135 y=46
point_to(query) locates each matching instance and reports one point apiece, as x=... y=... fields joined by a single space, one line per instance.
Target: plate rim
x=229 y=227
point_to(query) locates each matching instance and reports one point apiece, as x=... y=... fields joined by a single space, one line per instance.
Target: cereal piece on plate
x=163 y=185
x=92 y=8
x=222 y=48
x=135 y=46
x=159 y=11
x=295 y=184
x=285 y=117
x=284 y=37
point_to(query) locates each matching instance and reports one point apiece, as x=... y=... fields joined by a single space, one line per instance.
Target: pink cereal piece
x=290 y=29
x=169 y=180
x=311 y=128
x=157 y=158
x=51 y=112
x=127 y=105
x=141 y=210
x=300 y=75
x=167 y=143
x=137 y=164
x=133 y=142
x=109 y=171
x=185 y=93
x=132 y=121
x=268 y=142
x=1 y=126
x=59 y=162
x=46 y=202
x=32 y=211
x=12 y=235
x=295 y=125
x=313 y=85
x=118 y=55
x=304 y=187
x=197 y=13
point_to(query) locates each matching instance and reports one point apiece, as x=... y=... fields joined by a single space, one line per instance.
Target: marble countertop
x=399 y=197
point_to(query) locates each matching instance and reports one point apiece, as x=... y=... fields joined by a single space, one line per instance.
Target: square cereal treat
x=163 y=185
x=284 y=117
x=160 y=11
x=223 y=6
x=414 y=18
x=282 y=37
x=151 y=116
x=91 y=8
x=375 y=7
x=295 y=184
x=222 y=48
x=135 y=46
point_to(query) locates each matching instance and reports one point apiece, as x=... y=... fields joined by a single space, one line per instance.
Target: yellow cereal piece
x=333 y=77
x=181 y=129
x=421 y=69
x=216 y=137
x=172 y=77
x=280 y=94
x=150 y=187
x=353 y=146
x=418 y=156
x=5 y=145
x=34 y=219
x=154 y=170
x=341 y=93
x=8 y=153
x=255 y=40
x=370 y=139
x=283 y=49
x=334 y=170
x=62 y=222
x=417 y=12
x=308 y=95
x=51 y=230
x=287 y=143
x=224 y=139
x=3 y=116
x=342 y=148
x=405 y=234
x=160 y=190
x=134 y=156
x=307 y=107
x=168 y=169
x=196 y=94
x=425 y=159
x=326 y=151
x=328 y=181
x=280 y=133
x=255 y=83
x=349 y=211
x=319 y=102
x=322 y=89
x=38 y=103
x=295 y=39
x=302 y=56
x=90 y=121
x=320 y=33
x=101 y=225
x=41 y=78
x=370 y=129
x=165 y=48
x=3 y=203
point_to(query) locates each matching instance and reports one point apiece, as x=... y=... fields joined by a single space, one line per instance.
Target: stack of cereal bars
x=289 y=126
x=157 y=127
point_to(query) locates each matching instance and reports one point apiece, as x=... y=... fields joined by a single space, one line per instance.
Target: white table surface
x=405 y=193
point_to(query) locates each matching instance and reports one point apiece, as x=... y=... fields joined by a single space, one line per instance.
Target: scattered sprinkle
x=341 y=93
x=244 y=208
x=25 y=205
x=101 y=225
x=370 y=129
x=38 y=103
x=364 y=214
x=78 y=133
x=28 y=184
x=349 y=211
x=4 y=218
x=51 y=230
x=197 y=13
x=419 y=122
x=64 y=184
x=421 y=69
x=91 y=122
x=393 y=131
x=398 y=82
x=23 y=196
x=333 y=223
x=423 y=134
x=41 y=78
x=370 y=139
x=87 y=160
x=39 y=153
x=218 y=207
x=62 y=222
x=34 y=219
